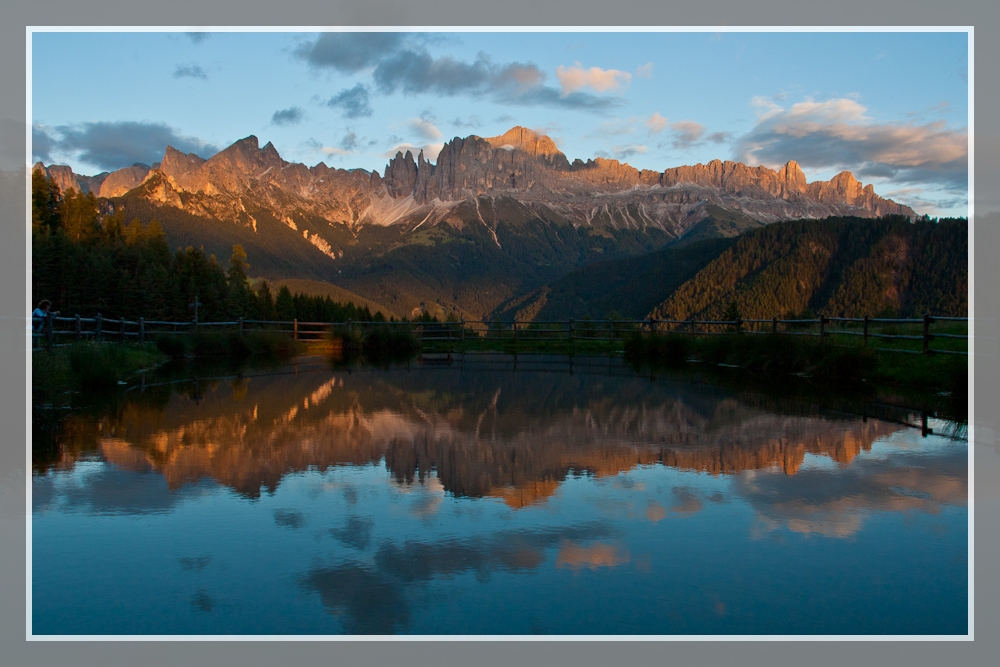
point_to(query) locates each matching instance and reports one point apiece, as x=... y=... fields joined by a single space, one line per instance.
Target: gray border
x=983 y=14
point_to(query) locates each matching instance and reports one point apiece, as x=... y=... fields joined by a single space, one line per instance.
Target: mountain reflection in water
x=513 y=436
x=567 y=465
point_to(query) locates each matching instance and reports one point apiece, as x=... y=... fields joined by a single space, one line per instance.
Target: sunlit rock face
x=473 y=174
x=483 y=438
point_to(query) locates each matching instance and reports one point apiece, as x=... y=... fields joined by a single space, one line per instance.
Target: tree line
x=841 y=267
x=86 y=262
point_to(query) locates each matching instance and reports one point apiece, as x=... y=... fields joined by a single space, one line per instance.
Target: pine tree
x=283 y=305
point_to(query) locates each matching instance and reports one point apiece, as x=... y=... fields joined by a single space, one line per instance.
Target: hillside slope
x=839 y=267
x=628 y=288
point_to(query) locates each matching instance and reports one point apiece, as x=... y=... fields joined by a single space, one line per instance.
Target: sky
x=890 y=107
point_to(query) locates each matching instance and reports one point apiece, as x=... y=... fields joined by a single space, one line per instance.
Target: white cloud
x=656 y=123
x=838 y=134
x=423 y=128
x=602 y=80
x=764 y=107
x=841 y=110
x=686 y=133
x=645 y=72
x=624 y=152
x=614 y=127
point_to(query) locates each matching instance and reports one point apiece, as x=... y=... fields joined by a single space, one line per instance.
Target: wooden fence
x=53 y=330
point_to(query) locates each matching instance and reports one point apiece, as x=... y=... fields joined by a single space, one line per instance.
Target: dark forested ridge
x=86 y=258
x=838 y=267
x=627 y=288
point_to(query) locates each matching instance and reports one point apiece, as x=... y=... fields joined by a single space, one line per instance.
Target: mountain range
x=493 y=218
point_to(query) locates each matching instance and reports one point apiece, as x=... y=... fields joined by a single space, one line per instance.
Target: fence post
x=611 y=326
x=462 y=324
x=571 y=329
x=866 y=331
x=691 y=325
x=121 y=328
x=295 y=328
x=774 y=325
x=514 y=327
x=48 y=330
x=240 y=320
x=79 y=327
x=142 y=330
x=652 y=326
x=97 y=327
x=927 y=333
x=739 y=325
x=822 y=326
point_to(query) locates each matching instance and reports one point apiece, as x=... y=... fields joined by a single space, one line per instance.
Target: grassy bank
x=229 y=344
x=378 y=344
x=806 y=356
x=87 y=367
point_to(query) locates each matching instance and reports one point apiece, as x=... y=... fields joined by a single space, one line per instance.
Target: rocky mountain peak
x=519 y=166
x=176 y=163
x=792 y=178
x=526 y=140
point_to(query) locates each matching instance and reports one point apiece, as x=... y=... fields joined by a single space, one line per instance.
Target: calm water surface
x=488 y=500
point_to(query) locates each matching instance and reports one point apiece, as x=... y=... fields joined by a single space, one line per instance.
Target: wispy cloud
x=614 y=128
x=43 y=145
x=418 y=72
x=197 y=37
x=645 y=72
x=623 y=152
x=347 y=145
x=349 y=142
x=289 y=116
x=190 y=72
x=686 y=133
x=400 y=63
x=470 y=123
x=719 y=137
x=353 y=102
x=572 y=79
x=424 y=129
x=350 y=52
x=656 y=123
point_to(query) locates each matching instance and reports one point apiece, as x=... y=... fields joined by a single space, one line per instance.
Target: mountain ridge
x=491 y=219
x=519 y=164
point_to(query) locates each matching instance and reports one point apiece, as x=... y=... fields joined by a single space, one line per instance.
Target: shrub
x=670 y=349
x=390 y=343
x=173 y=345
x=230 y=344
x=757 y=353
x=267 y=344
x=100 y=366
x=209 y=343
x=350 y=340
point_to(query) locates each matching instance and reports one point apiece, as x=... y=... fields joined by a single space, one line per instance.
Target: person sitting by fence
x=40 y=314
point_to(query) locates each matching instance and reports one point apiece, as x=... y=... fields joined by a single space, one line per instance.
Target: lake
x=497 y=496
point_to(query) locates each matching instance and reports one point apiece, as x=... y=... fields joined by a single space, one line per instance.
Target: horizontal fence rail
x=52 y=328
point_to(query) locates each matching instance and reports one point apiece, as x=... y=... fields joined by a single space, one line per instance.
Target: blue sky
x=891 y=107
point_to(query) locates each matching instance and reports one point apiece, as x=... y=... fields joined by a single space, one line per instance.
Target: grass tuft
x=229 y=344
x=802 y=355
